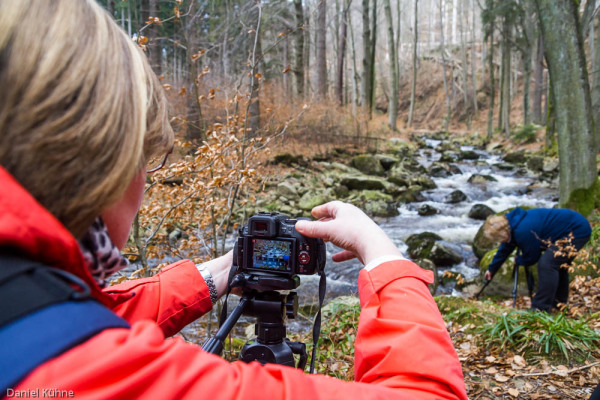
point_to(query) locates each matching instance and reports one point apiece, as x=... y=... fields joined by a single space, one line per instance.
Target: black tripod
x=271 y=344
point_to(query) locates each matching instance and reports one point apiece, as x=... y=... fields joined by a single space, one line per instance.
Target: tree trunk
x=154 y=45
x=321 y=59
x=299 y=49
x=195 y=122
x=373 y=51
x=492 y=79
x=393 y=101
x=504 y=115
x=356 y=77
x=463 y=54
x=596 y=80
x=563 y=42
x=342 y=52
x=366 y=34
x=538 y=82
x=473 y=62
x=443 y=51
x=526 y=86
x=414 y=77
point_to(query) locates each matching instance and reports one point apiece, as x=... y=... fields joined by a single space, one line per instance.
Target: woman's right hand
x=348 y=227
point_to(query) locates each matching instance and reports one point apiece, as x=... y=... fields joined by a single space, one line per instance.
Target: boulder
x=362 y=182
x=340 y=192
x=424 y=181
x=468 y=155
x=368 y=164
x=449 y=156
x=479 y=179
x=386 y=161
x=455 y=197
x=420 y=244
x=438 y=170
x=313 y=198
x=411 y=195
x=289 y=159
x=505 y=167
x=287 y=190
x=376 y=203
x=480 y=212
x=454 y=170
x=444 y=256
x=504 y=282
x=448 y=146
x=380 y=208
x=536 y=163
x=482 y=245
x=516 y=157
x=408 y=174
x=550 y=165
x=427 y=210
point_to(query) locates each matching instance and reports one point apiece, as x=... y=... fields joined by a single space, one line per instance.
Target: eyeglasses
x=156 y=163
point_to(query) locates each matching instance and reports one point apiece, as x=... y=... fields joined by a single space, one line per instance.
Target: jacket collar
x=27 y=228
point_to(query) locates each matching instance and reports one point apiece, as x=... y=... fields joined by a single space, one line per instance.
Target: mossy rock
x=381 y=208
x=536 y=163
x=516 y=157
x=468 y=155
x=480 y=212
x=479 y=179
x=504 y=282
x=444 y=256
x=387 y=161
x=288 y=159
x=426 y=210
x=368 y=164
x=363 y=182
x=340 y=192
x=449 y=156
x=313 y=198
x=455 y=196
x=374 y=195
x=420 y=244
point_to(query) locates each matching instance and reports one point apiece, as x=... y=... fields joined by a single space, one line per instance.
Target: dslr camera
x=270 y=255
x=270 y=246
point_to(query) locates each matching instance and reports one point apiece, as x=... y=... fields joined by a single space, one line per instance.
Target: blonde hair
x=80 y=108
x=496 y=228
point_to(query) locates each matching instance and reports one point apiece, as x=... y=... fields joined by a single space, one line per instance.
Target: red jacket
x=402 y=347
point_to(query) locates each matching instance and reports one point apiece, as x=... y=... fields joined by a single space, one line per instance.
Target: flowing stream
x=511 y=188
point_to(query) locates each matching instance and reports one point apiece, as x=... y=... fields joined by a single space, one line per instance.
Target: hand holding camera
x=346 y=226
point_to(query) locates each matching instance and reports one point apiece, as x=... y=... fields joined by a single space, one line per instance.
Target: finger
x=343 y=256
x=314 y=229
x=327 y=210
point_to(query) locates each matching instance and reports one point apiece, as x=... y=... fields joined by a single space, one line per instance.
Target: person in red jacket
x=81 y=116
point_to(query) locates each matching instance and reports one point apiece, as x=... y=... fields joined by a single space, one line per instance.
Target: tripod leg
x=514 y=292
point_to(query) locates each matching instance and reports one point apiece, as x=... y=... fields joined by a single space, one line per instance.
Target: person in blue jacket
x=540 y=234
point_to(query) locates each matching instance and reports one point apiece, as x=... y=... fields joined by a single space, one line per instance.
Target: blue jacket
x=532 y=230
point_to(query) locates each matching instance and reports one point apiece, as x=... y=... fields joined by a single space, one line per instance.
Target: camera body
x=269 y=244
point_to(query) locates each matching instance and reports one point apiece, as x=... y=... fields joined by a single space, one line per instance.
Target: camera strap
x=317 y=323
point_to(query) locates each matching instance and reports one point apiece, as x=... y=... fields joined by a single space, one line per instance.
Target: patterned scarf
x=101 y=255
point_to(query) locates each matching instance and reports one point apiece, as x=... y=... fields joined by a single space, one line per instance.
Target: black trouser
x=553 y=281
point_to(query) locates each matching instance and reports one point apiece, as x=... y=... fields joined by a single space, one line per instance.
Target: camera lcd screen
x=273 y=255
